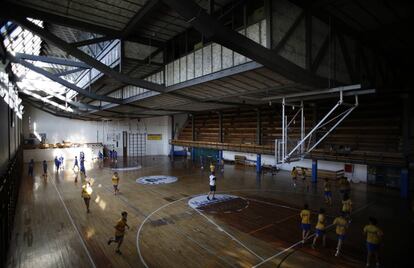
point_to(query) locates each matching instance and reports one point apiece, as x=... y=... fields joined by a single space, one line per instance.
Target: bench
x=269 y=169
x=322 y=173
x=240 y=160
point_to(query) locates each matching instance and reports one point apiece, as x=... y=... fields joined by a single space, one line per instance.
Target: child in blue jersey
x=76 y=164
x=44 y=168
x=31 y=167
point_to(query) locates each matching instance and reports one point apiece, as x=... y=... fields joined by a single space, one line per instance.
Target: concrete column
x=404 y=183
x=314 y=170
x=259 y=163
x=220 y=156
x=172 y=137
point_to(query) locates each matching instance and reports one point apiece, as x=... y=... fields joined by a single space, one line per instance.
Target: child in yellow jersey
x=305 y=223
x=294 y=174
x=115 y=182
x=119 y=231
x=320 y=228
x=86 y=194
x=341 y=227
x=344 y=186
x=374 y=235
x=327 y=192
x=305 y=181
x=212 y=167
x=347 y=207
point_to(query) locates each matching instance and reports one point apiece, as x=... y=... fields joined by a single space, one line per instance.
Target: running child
x=57 y=164
x=341 y=228
x=76 y=163
x=86 y=194
x=119 y=231
x=327 y=192
x=320 y=228
x=212 y=186
x=305 y=222
x=61 y=161
x=294 y=174
x=115 y=182
x=374 y=235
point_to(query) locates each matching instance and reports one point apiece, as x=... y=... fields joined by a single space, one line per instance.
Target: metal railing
x=9 y=190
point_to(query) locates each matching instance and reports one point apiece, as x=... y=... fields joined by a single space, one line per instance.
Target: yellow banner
x=154 y=137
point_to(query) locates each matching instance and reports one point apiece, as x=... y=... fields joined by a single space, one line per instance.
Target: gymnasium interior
x=206 y=133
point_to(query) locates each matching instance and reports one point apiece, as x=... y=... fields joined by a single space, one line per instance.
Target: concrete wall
x=360 y=171
x=109 y=133
x=10 y=126
x=284 y=14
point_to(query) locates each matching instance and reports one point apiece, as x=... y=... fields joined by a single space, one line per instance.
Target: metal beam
x=92 y=41
x=88 y=59
x=52 y=60
x=139 y=17
x=16 y=11
x=69 y=72
x=75 y=52
x=64 y=82
x=143 y=61
x=212 y=29
x=313 y=93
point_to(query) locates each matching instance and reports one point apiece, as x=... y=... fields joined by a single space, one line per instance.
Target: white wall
x=58 y=129
x=360 y=171
x=109 y=133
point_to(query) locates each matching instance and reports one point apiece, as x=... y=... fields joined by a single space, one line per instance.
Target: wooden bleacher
x=370 y=135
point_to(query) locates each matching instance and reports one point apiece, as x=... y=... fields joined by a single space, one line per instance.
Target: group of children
x=341 y=223
x=121 y=223
x=86 y=192
x=59 y=163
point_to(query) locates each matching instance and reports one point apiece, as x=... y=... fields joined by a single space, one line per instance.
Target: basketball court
x=253 y=223
x=206 y=133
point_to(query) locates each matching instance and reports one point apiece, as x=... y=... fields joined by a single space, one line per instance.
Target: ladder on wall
x=137 y=144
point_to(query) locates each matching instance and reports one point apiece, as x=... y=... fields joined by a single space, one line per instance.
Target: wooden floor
x=52 y=228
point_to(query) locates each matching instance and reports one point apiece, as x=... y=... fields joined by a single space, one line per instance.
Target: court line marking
x=125 y=200
x=187 y=197
x=230 y=235
x=283 y=206
x=300 y=242
x=262 y=228
x=204 y=247
x=145 y=220
x=74 y=225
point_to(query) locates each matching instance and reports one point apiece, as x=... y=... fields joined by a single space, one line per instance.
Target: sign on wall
x=154 y=137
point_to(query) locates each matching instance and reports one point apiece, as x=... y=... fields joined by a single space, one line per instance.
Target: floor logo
x=157 y=179
x=222 y=203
